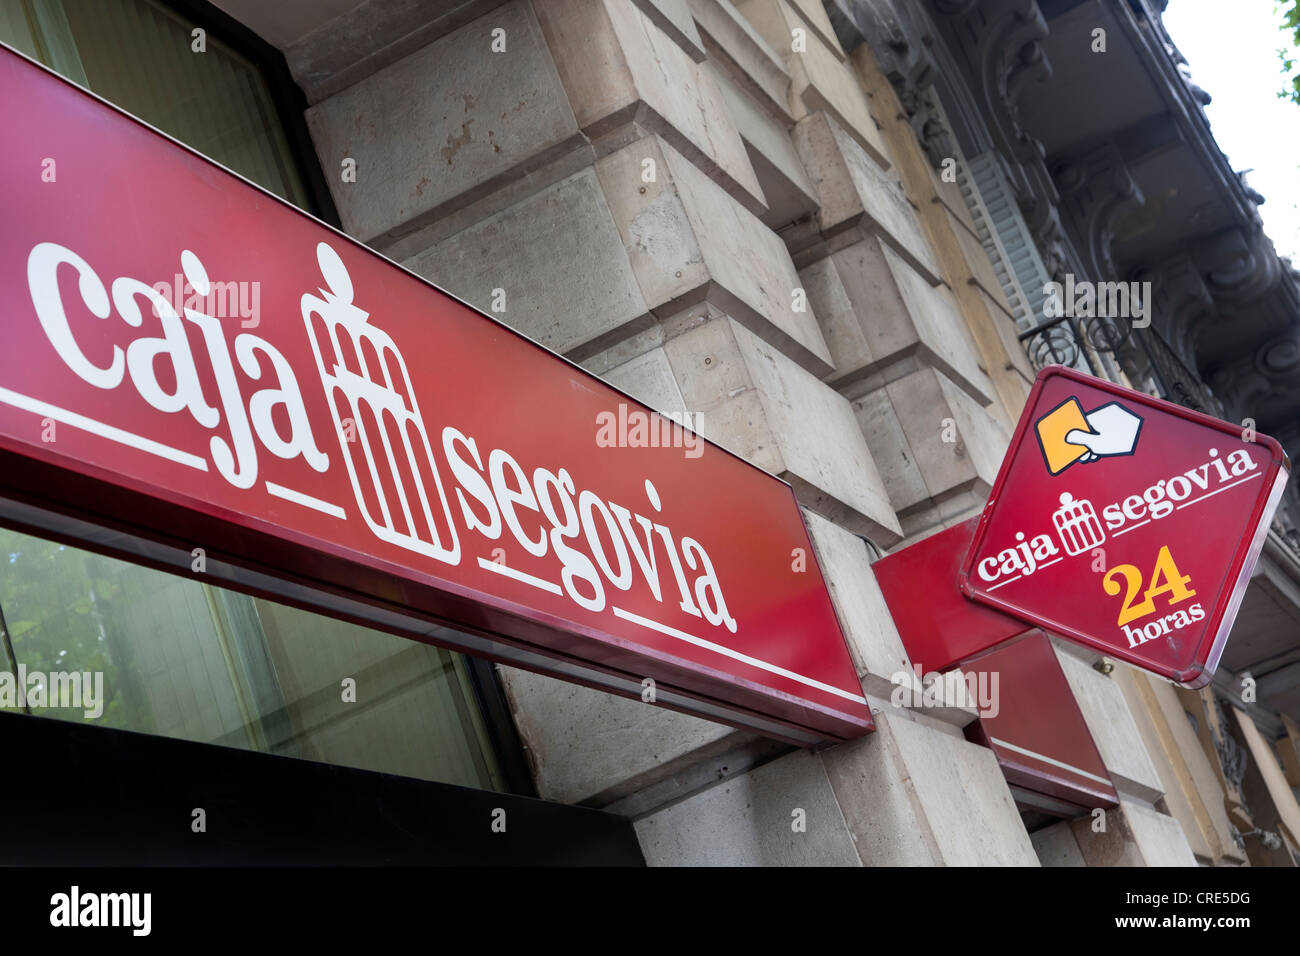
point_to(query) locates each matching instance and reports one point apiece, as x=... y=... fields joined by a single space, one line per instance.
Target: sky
x=1231 y=48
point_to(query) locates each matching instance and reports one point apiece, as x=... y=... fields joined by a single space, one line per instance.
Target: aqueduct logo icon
x=381 y=433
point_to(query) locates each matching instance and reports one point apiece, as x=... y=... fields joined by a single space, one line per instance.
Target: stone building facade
x=822 y=232
x=798 y=224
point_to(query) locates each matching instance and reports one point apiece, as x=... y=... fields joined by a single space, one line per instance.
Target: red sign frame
x=1136 y=437
x=1039 y=735
x=526 y=539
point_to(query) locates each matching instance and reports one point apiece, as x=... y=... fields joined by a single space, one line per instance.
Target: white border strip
x=307 y=501
x=1054 y=763
x=518 y=575
x=734 y=655
x=1211 y=494
x=102 y=430
x=1133 y=527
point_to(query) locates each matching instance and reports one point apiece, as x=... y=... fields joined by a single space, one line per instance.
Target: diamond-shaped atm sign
x=1126 y=523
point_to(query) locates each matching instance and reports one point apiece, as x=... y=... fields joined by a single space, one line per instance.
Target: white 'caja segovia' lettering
x=600 y=544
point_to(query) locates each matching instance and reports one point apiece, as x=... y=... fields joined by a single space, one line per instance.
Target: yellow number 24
x=1165 y=578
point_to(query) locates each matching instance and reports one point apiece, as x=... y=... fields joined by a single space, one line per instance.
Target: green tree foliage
x=63 y=608
x=1290 y=11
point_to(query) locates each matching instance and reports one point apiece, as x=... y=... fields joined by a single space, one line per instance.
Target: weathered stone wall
x=701 y=202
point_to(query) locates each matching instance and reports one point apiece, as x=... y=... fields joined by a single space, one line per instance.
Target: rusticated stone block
x=624 y=77
x=749 y=398
x=882 y=320
x=854 y=191
x=820 y=80
x=557 y=259
x=443 y=126
x=937 y=451
x=689 y=241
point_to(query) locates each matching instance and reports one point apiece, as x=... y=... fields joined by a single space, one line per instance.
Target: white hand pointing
x=1114 y=432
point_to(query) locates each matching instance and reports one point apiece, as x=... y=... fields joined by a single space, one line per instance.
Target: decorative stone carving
x=1231 y=755
x=1008 y=54
x=901 y=37
x=1281 y=356
x=1239 y=384
x=1239 y=266
x=1183 y=305
x=1096 y=190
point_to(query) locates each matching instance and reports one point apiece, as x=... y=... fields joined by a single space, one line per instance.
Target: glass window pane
x=170 y=655
x=140 y=55
x=16 y=28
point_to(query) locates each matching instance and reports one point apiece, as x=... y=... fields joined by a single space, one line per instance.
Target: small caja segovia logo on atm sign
x=1126 y=523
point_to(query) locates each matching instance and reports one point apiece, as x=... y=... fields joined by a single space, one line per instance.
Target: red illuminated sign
x=1125 y=522
x=345 y=425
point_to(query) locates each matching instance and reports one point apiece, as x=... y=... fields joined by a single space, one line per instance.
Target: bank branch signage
x=190 y=360
x=1125 y=522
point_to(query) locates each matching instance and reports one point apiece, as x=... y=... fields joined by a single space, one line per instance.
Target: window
x=182 y=658
x=140 y=55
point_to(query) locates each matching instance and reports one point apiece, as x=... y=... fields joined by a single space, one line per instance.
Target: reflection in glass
x=182 y=658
